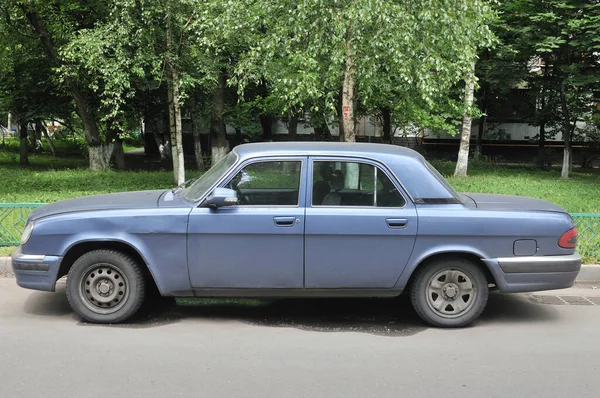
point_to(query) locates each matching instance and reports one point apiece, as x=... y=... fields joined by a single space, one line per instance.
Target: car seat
x=337 y=184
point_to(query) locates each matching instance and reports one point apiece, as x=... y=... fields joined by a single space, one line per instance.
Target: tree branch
x=13 y=28
x=183 y=30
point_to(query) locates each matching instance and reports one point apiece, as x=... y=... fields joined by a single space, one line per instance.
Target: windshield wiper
x=183 y=184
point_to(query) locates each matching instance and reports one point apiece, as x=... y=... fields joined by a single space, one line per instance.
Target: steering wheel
x=242 y=199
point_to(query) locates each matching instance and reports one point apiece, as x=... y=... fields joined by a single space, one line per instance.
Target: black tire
x=105 y=286
x=441 y=296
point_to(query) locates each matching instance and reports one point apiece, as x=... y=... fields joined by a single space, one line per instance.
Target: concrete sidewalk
x=589 y=274
x=5 y=267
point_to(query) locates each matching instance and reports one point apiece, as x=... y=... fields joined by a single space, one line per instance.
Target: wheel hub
x=104 y=288
x=450 y=291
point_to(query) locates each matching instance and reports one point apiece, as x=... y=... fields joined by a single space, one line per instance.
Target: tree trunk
x=541 y=109
x=239 y=137
x=40 y=125
x=347 y=130
x=478 y=141
x=542 y=146
x=465 y=137
x=266 y=123
x=219 y=144
x=322 y=133
x=119 y=154
x=293 y=126
x=387 y=125
x=174 y=110
x=23 y=155
x=92 y=135
x=566 y=166
x=196 y=134
x=566 y=127
x=37 y=135
x=158 y=138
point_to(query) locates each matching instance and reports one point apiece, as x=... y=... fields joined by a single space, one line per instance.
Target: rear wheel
x=449 y=293
x=105 y=286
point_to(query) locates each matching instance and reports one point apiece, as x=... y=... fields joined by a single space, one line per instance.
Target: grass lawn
x=49 y=179
x=579 y=194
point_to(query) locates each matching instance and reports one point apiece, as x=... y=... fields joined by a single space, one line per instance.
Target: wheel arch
x=451 y=254
x=80 y=248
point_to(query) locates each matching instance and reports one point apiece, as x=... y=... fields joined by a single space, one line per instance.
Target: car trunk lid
x=511 y=202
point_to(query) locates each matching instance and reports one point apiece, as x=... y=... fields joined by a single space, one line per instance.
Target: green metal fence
x=588 y=239
x=14 y=215
x=12 y=221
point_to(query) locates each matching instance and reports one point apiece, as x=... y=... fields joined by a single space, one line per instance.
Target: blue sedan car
x=300 y=220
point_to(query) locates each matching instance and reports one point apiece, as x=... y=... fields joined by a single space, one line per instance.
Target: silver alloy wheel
x=104 y=289
x=450 y=293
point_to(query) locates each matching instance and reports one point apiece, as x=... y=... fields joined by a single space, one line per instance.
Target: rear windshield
x=441 y=178
x=426 y=185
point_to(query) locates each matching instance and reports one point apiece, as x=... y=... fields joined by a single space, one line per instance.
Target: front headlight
x=27 y=232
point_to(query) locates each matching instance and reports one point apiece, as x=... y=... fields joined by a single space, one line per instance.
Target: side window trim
x=375 y=163
x=301 y=179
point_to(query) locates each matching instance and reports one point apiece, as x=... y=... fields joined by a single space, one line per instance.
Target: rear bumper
x=530 y=274
x=37 y=272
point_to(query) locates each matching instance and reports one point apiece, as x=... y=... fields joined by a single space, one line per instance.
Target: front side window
x=272 y=183
x=353 y=184
x=195 y=191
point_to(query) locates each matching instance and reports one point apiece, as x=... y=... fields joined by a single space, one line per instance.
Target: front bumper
x=534 y=273
x=37 y=272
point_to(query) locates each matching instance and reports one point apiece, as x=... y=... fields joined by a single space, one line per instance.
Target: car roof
x=324 y=149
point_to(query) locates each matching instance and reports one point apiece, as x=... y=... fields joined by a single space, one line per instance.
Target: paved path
x=299 y=348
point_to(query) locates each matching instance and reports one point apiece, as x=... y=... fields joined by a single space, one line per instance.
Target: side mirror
x=221 y=197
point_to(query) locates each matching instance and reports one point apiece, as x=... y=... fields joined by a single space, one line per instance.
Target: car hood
x=510 y=202
x=113 y=201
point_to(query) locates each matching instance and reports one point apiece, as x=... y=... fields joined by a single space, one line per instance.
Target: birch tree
x=336 y=53
x=465 y=135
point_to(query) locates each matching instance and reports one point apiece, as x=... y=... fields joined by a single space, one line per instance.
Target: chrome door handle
x=284 y=221
x=396 y=223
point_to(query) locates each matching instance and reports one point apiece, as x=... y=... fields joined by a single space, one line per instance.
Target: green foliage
x=563 y=34
x=408 y=55
x=28 y=87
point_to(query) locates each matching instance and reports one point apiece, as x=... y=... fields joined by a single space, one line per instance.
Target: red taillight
x=568 y=240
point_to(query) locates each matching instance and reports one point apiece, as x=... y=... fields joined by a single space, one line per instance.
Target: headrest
x=337 y=180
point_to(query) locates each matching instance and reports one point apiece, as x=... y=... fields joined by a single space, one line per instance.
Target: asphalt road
x=300 y=348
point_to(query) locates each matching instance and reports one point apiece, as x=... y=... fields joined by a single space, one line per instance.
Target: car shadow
x=47 y=304
x=516 y=308
x=384 y=317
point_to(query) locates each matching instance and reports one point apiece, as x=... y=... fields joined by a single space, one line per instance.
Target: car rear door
x=361 y=233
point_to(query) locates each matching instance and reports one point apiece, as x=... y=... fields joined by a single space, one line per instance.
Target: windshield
x=195 y=191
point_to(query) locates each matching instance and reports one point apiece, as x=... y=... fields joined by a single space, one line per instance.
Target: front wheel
x=449 y=293
x=105 y=286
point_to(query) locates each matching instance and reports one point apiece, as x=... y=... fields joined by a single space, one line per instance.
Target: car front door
x=258 y=243
x=360 y=228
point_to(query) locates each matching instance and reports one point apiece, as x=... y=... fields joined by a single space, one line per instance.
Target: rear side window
x=353 y=184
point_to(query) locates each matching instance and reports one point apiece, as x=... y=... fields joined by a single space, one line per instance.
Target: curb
x=590 y=273
x=5 y=267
